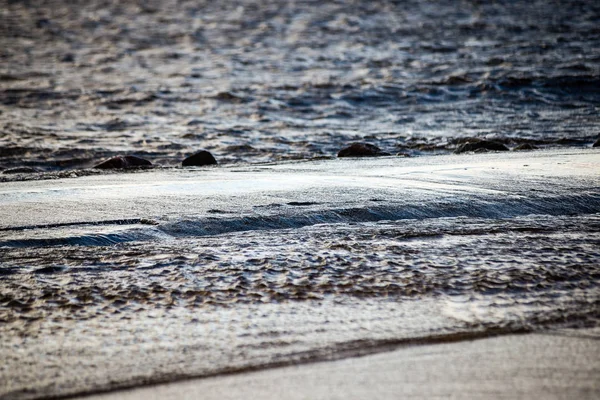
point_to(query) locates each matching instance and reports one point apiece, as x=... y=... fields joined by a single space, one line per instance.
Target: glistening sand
x=175 y=273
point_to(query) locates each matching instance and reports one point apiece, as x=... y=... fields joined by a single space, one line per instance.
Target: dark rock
x=120 y=162
x=596 y=143
x=20 y=170
x=199 y=158
x=525 y=146
x=480 y=144
x=42 y=23
x=68 y=58
x=361 y=150
x=570 y=141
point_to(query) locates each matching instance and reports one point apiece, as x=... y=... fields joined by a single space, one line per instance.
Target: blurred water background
x=273 y=80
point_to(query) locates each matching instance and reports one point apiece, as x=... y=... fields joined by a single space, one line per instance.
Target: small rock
x=361 y=150
x=20 y=170
x=525 y=146
x=480 y=144
x=596 y=143
x=42 y=23
x=199 y=158
x=68 y=58
x=120 y=162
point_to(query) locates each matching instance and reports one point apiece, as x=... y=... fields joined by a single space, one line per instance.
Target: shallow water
x=152 y=311
x=270 y=81
x=408 y=258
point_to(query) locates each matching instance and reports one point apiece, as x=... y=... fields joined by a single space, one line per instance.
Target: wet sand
x=117 y=280
x=517 y=183
x=549 y=365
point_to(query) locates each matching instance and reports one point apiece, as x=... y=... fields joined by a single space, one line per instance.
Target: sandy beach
x=160 y=275
x=441 y=186
x=549 y=365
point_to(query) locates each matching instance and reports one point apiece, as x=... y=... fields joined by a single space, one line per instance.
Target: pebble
x=362 y=150
x=121 y=162
x=480 y=144
x=199 y=158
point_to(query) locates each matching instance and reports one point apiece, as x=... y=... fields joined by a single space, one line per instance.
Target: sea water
x=254 y=82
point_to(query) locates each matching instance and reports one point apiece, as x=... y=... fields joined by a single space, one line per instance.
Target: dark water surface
x=272 y=80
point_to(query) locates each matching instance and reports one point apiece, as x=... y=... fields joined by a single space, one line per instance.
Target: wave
x=296 y=216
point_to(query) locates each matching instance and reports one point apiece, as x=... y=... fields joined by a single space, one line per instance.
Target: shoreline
x=31 y=174
x=312 y=185
x=554 y=364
